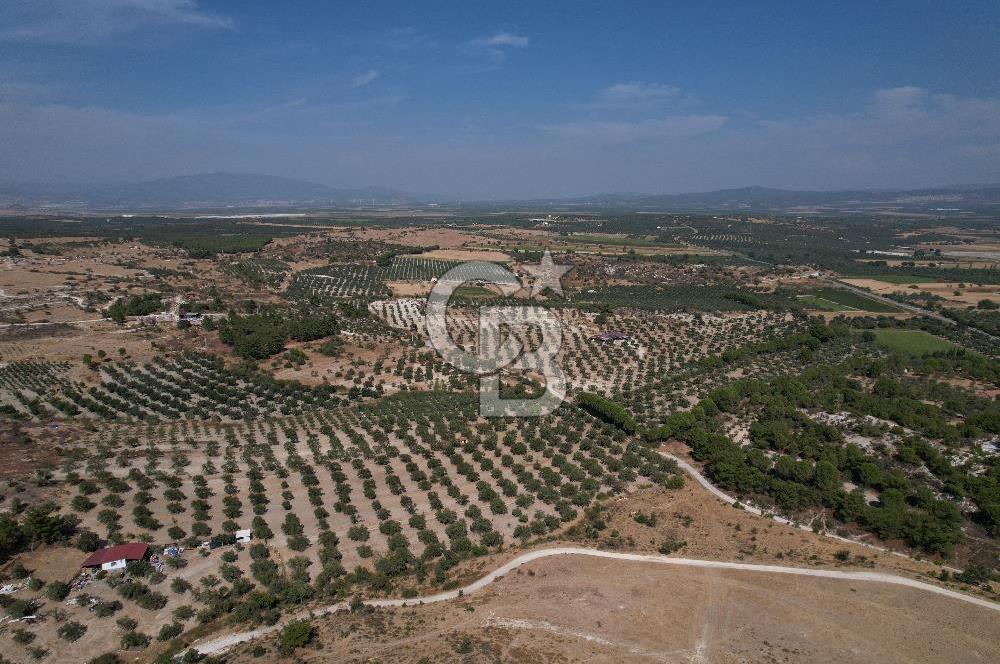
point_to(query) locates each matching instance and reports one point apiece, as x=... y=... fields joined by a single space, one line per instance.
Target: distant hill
x=203 y=190
x=764 y=198
x=242 y=190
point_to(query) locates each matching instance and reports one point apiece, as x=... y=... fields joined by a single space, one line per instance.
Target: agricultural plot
x=912 y=342
x=365 y=281
x=16 y=307
x=22 y=384
x=735 y=239
x=653 y=344
x=318 y=415
x=268 y=272
x=190 y=385
x=679 y=298
x=363 y=469
x=901 y=279
x=834 y=299
x=680 y=390
x=821 y=303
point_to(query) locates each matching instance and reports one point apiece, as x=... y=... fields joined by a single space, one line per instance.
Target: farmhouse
x=116 y=557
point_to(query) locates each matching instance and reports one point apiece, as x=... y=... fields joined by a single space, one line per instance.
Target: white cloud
x=495 y=46
x=366 y=77
x=897 y=139
x=502 y=39
x=896 y=116
x=86 y=21
x=900 y=102
x=635 y=94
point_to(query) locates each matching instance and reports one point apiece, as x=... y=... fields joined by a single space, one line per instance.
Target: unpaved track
x=221 y=644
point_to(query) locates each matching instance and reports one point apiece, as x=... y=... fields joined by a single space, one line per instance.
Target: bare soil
x=575 y=610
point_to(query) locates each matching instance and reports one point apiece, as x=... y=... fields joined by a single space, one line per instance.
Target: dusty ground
x=575 y=610
x=465 y=255
x=830 y=315
x=410 y=288
x=444 y=238
x=969 y=294
x=25 y=343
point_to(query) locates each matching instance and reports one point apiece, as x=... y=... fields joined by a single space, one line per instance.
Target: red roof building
x=115 y=557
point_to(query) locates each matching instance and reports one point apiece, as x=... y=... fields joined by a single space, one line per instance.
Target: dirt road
x=221 y=644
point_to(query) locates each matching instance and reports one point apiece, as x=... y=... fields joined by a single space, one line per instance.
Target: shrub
x=107 y=658
x=128 y=624
x=671 y=545
x=132 y=640
x=139 y=568
x=23 y=636
x=57 y=591
x=71 y=631
x=606 y=410
x=88 y=541
x=169 y=631
x=296 y=634
x=974 y=575
x=105 y=609
x=20 y=608
x=184 y=612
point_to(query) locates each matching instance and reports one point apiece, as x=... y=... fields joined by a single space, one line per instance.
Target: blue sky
x=486 y=99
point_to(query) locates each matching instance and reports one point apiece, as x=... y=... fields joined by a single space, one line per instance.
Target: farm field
x=952 y=294
x=525 y=334
x=817 y=302
x=900 y=279
x=181 y=382
x=842 y=300
x=912 y=342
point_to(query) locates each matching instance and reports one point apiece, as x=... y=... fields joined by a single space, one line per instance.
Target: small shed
x=114 y=558
x=243 y=536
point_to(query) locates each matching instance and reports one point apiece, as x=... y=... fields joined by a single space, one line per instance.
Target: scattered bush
x=296 y=634
x=71 y=631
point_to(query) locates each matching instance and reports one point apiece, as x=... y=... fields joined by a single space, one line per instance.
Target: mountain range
x=200 y=191
x=250 y=191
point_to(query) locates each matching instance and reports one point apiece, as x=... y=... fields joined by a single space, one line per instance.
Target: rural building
x=243 y=536
x=115 y=558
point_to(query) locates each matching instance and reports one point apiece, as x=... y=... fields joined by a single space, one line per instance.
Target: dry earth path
x=223 y=643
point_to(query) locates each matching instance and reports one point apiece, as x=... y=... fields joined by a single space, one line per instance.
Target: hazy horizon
x=517 y=101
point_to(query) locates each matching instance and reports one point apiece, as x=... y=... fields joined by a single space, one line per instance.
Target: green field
x=911 y=342
x=835 y=299
x=619 y=241
x=474 y=292
x=816 y=302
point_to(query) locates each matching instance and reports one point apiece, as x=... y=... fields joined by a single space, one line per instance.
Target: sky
x=504 y=99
